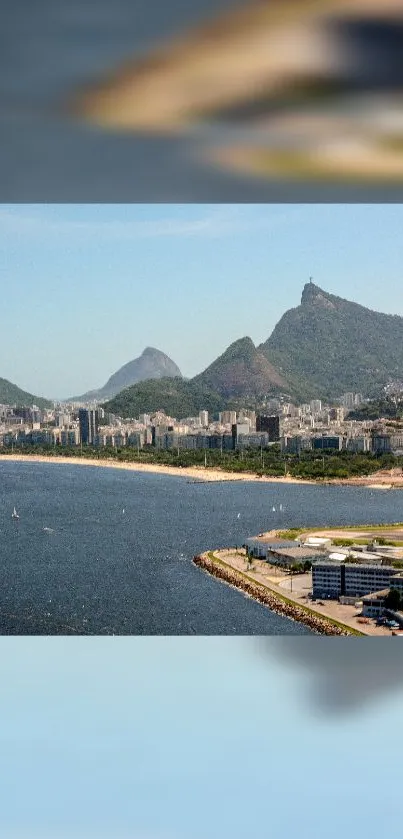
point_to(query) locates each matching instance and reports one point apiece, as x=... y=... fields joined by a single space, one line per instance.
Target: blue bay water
x=76 y=563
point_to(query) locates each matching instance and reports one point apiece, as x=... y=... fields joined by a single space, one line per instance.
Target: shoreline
x=199 y=473
x=276 y=602
x=377 y=481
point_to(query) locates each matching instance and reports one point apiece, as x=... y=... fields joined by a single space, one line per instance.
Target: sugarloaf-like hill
x=151 y=364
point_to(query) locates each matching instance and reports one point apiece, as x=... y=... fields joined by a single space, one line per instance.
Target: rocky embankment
x=262 y=594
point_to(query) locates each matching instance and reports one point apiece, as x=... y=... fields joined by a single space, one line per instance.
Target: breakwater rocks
x=263 y=595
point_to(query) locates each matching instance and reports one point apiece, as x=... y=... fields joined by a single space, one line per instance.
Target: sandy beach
x=191 y=472
x=387 y=479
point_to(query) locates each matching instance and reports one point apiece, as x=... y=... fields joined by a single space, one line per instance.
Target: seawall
x=281 y=606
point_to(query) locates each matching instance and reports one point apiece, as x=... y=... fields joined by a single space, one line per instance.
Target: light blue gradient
x=87 y=287
x=165 y=738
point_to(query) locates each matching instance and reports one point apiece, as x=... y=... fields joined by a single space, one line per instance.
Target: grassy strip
x=291 y=534
x=294 y=532
x=276 y=596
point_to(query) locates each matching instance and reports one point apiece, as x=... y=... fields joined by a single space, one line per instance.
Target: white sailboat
x=14 y=514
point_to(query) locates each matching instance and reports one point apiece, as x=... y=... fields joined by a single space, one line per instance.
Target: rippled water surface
x=104 y=551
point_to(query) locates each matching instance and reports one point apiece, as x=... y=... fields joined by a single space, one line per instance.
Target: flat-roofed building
x=381 y=443
x=296 y=444
x=364 y=578
x=373 y=604
x=360 y=443
x=327 y=442
x=327 y=579
x=270 y=425
x=70 y=437
x=291 y=555
x=261 y=546
x=334 y=578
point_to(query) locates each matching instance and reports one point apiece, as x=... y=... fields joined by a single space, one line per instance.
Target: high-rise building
x=352 y=400
x=316 y=406
x=89 y=422
x=227 y=417
x=203 y=417
x=271 y=425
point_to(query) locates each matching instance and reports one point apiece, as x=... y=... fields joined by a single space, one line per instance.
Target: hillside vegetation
x=241 y=372
x=328 y=345
x=10 y=394
x=175 y=396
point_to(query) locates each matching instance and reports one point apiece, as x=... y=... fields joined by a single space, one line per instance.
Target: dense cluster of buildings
x=352 y=575
x=75 y=426
x=296 y=428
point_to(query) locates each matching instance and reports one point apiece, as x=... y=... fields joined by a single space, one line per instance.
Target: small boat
x=14 y=514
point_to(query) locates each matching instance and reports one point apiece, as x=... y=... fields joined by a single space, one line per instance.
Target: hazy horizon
x=90 y=286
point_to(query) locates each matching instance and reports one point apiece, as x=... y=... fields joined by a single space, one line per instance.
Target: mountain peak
x=242 y=371
x=311 y=293
x=151 y=351
x=151 y=364
x=329 y=345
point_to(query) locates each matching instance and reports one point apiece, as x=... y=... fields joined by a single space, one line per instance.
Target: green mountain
x=328 y=345
x=151 y=364
x=322 y=348
x=242 y=371
x=175 y=396
x=12 y=395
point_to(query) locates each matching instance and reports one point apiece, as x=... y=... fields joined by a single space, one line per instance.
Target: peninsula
x=336 y=581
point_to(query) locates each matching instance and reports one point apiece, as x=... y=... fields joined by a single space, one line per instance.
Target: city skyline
x=104 y=282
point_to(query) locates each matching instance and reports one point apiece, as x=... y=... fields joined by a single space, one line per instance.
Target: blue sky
x=85 y=288
x=184 y=738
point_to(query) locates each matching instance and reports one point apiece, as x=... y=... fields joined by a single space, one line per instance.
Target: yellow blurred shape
x=260 y=47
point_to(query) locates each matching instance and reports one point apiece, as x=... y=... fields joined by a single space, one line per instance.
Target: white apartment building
x=227 y=417
x=316 y=406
